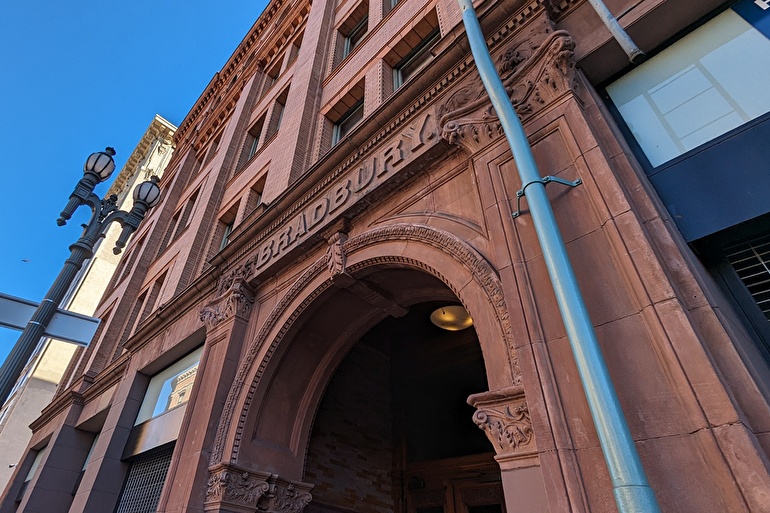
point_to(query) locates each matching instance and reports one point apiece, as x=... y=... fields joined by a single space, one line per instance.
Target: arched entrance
x=394 y=432
x=353 y=299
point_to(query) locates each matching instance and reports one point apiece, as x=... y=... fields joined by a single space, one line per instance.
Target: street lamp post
x=97 y=168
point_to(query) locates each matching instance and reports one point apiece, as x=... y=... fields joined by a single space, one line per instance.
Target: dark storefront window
x=144 y=483
x=698 y=116
x=709 y=82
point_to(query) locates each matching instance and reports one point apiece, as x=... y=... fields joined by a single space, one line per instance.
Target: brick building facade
x=342 y=178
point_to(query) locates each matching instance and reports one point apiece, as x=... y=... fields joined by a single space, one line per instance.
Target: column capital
x=503 y=415
x=233 y=488
x=235 y=301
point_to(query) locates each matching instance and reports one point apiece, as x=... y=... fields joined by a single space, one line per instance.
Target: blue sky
x=80 y=76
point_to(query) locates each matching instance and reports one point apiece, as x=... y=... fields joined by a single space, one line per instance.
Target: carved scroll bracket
x=237 y=300
x=503 y=415
x=234 y=488
x=536 y=69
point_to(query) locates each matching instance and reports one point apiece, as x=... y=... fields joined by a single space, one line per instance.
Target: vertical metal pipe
x=632 y=491
x=635 y=55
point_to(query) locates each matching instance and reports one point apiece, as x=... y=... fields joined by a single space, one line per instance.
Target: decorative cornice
x=535 y=70
x=503 y=415
x=235 y=486
x=420 y=106
x=265 y=40
x=159 y=129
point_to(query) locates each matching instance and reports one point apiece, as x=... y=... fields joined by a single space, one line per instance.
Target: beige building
x=42 y=374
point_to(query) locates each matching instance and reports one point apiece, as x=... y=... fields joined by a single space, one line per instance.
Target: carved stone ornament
x=535 y=71
x=285 y=496
x=232 y=486
x=336 y=257
x=503 y=415
x=235 y=488
x=236 y=300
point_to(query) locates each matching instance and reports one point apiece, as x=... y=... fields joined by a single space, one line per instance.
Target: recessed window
x=294 y=49
x=346 y=113
x=253 y=138
x=227 y=224
x=415 y=60
x=277 y=115
x=271 y=77
x=706 y=84
x=164 y=392
x=348 y=121
x=226 y=231
x=354 y=28
x=356 y=35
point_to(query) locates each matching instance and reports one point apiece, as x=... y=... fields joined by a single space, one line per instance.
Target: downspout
x=635 y=55
x=632 y=491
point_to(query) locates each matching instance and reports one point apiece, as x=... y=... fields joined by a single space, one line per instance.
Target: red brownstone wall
x=350 y=455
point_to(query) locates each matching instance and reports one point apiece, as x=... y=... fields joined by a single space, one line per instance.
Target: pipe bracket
x=545 y=181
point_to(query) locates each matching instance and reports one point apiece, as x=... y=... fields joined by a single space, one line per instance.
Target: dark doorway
x=394 y=433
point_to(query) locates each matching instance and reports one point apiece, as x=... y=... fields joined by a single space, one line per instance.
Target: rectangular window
x=254 y=198
x=415 y=60
x=227 y=225
x=348 y=121
x=31 y=473
x=294 y=49
x=272 y=76
x=253 y=138
x=706 y=84
x=353 y=30
x=213 y=149
x=356 y=35
x=277 y=115
x=170 y=387
x=227 y=230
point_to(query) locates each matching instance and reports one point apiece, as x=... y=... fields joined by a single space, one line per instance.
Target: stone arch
x=481 y=294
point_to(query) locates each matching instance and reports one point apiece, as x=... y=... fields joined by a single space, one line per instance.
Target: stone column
x=503 y=415
x=226 y=319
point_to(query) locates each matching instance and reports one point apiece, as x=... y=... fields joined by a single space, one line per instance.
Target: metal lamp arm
x=130 y=222
x=80 y=196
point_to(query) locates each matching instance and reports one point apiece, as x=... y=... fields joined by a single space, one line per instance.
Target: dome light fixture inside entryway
x=451 y=318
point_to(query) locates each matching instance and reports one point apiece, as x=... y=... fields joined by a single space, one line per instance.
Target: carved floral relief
x=236 y=300
x=504 y=417
x=251 y=490
x=535 y=70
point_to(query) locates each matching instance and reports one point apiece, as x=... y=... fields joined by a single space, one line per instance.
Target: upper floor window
x=253 y=138
x=347 y=112
x=272 y=75
x=294 y=48
x=170 y=387
x=355 y=28
x=706 y=84
x=415 y=60
x=276 y=116
x=348 y=121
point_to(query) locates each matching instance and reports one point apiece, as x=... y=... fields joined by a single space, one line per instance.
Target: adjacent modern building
x=37 y=385
x=288 y=332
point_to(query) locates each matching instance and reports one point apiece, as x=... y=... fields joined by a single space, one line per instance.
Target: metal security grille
x=751 y=260
x=145 y=482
